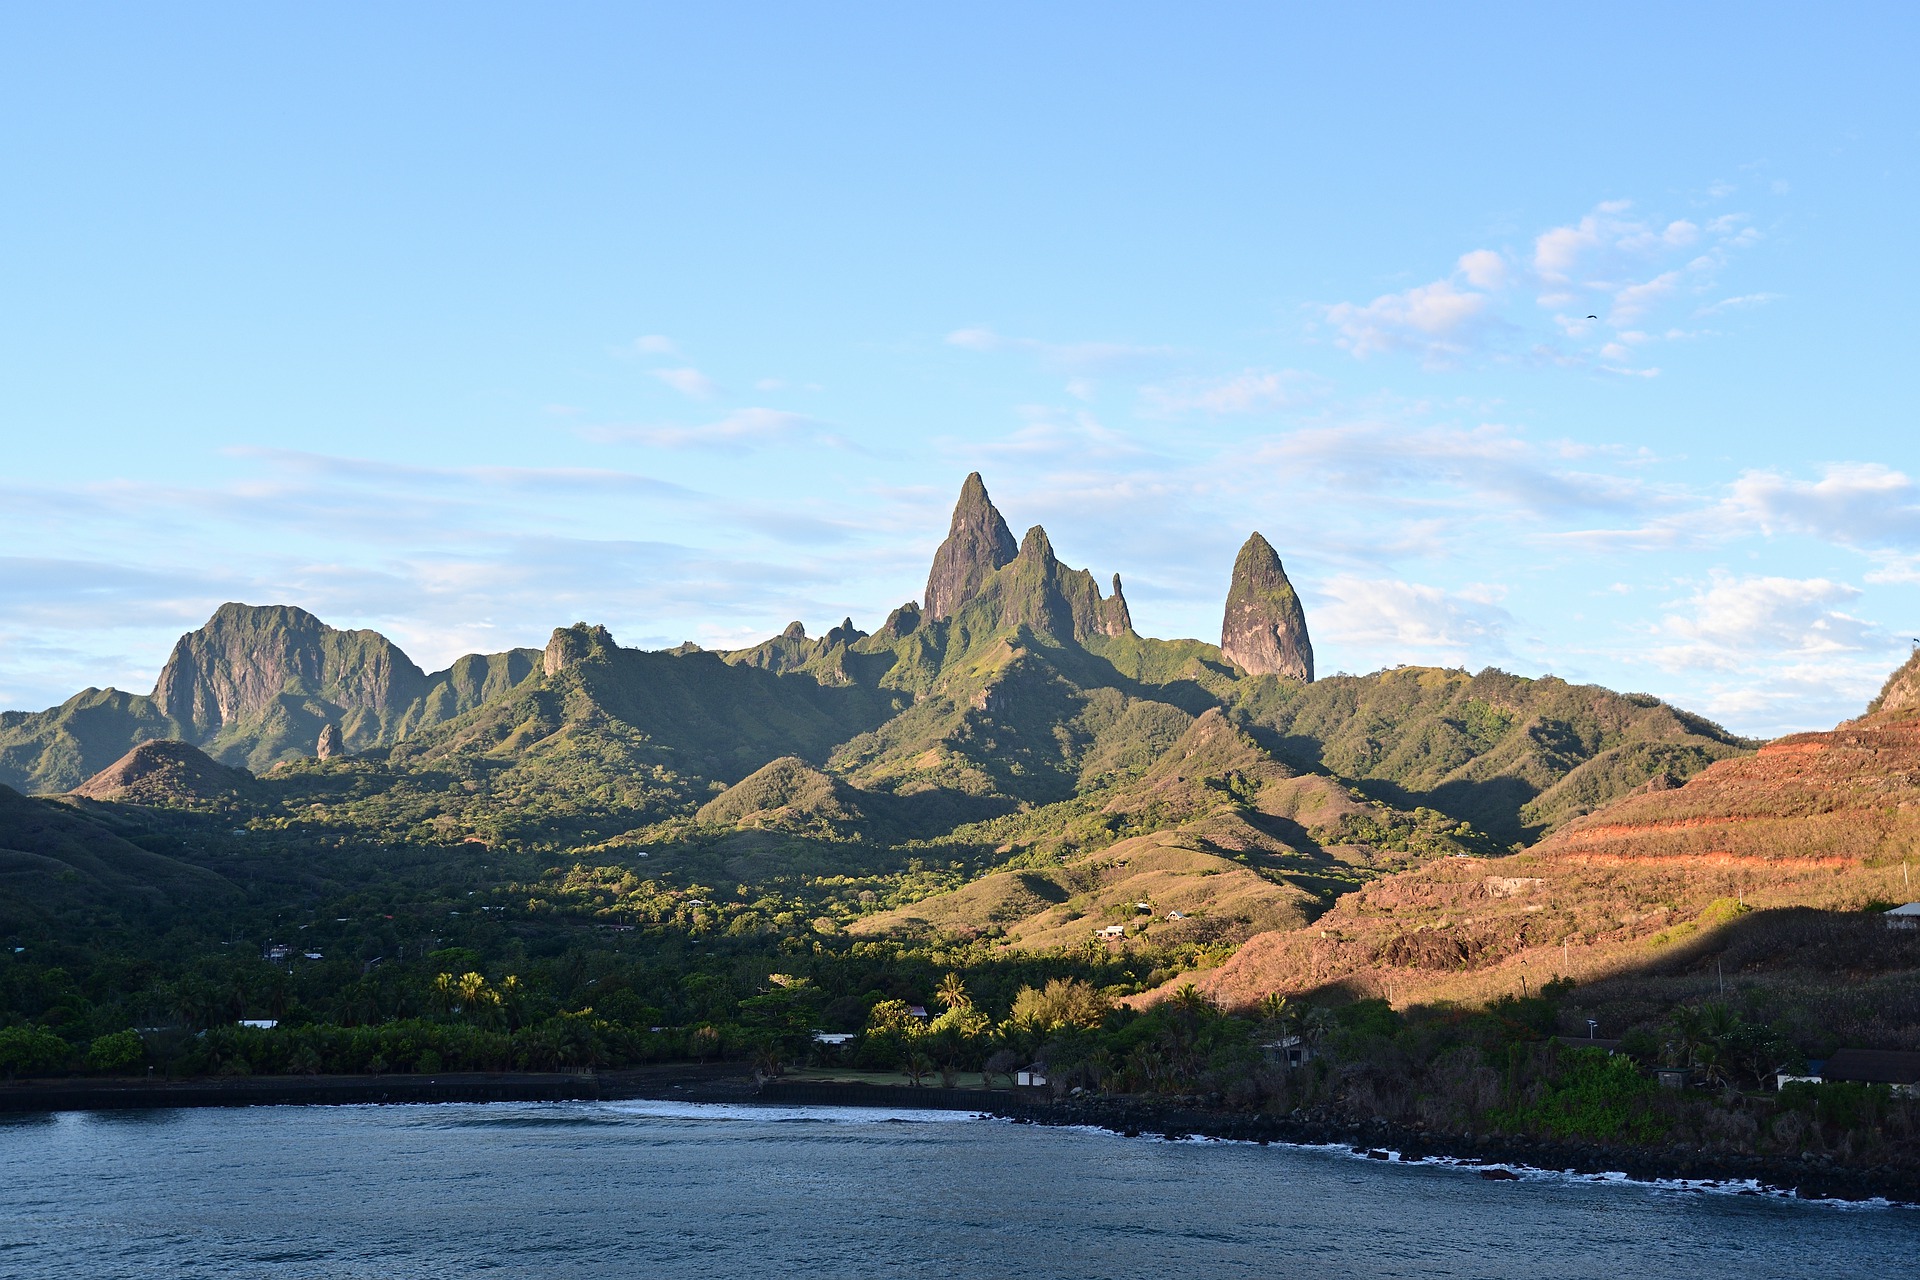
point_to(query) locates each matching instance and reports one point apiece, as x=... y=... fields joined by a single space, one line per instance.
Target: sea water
x=660 y=1189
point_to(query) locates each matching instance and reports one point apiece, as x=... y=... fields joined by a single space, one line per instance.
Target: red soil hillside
x=1643 y=886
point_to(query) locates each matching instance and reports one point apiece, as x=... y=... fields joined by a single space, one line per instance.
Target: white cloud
x=1396 y=621
x=688 y=381
x=1435 y=321
x=656 y=344
x=1611 y=263
x=740 y=429
x=1252 y=391
x=1072 y=357
x=1856 y=504
x=1076 y=437
x=1490 y=460
x=1734 y=622
x=1637 y=300
x=1743 y=302
x=1484 y=269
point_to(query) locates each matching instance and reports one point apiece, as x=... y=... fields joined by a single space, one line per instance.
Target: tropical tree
x=117 y=1051
x=1280 y=1015
x=952 y=992
x=1316 y=1024
x=31 y=1050
x=1063 y=1002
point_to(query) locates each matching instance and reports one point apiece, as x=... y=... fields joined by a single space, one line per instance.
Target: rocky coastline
x=1817 y=1178
x=1496 y=1155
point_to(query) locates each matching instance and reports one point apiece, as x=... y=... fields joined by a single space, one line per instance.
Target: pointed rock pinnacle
x=978 y=542
x=1264 y=631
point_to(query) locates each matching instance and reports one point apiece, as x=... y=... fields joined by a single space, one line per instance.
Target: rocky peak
x=1264 y=631
x=248 y=656
x=1118 y=619
x=978 y=542
x=1902 y=690
x=846 y=633
x=574 y=644
x=903 y=621
x=331 y=744
x=1038 y=548
x=166 y=772
x=795 y=631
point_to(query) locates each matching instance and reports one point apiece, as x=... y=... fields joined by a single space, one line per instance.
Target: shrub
x=1593 y=1095
x=31 y=1050
x=117 y=1051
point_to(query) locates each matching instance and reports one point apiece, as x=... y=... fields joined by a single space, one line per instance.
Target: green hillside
x=1515 y=757
x=255 y=686
x=1006 y=779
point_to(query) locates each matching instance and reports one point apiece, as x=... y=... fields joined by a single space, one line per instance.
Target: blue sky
x=1571 y=343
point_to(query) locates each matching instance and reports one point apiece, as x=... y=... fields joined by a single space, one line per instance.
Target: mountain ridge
x=1018 y=684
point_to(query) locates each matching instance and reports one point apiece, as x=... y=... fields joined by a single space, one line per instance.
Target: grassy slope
x=1515 y=757
x=1757 y=869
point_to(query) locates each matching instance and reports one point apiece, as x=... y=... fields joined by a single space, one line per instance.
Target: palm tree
x=952 y=992
x=443 y=996
x=1279 y=1013
x=919 y=1067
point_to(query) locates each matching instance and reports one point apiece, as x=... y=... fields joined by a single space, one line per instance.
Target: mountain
x=166 y=773
x=786 y=793
x=1516 y=757
x=1760 y=864
x=1018 y=691
x=1232 y=842
x=630 y=735
x=978 y=542
x=254 y=686
x=59 y=748
x=1006 y=780
x=1264 y=630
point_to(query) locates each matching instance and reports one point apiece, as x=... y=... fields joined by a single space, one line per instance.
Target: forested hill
x=1021 y=684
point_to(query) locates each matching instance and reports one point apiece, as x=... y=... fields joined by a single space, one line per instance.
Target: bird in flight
x=1593 y=317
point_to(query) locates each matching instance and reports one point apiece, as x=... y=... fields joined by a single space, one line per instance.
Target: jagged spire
x=1264 y=631
x=978 y=542
x=1119 y=619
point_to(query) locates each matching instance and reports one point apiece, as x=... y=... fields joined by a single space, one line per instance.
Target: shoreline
x=1815 y=1178
x=709 y=1082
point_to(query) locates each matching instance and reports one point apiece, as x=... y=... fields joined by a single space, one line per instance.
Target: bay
x=668 y=1190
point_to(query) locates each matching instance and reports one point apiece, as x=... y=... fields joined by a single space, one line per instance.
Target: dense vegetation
x=1016 y=817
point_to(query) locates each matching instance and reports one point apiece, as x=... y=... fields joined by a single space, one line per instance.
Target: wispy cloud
x=738 y=431
x=1490 y=460
x=1855 y=504
x=1731 y=621
x=1383 y=616
x=688 y=381
x=1593 y=280
x=1250 y=391
x=1070 y=357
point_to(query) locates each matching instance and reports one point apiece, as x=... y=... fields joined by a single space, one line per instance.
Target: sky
x=1561 y=341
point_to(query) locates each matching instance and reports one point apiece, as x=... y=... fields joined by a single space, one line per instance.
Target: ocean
x=660 y=1189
